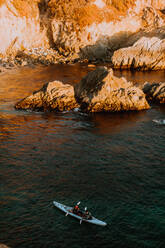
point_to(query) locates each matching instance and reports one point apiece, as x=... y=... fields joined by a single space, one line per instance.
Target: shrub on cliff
x=28 y=8
x=86 y=12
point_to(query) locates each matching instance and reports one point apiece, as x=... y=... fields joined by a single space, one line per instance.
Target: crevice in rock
x=45 y=21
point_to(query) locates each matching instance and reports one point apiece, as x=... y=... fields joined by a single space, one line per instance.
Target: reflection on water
x=113 y=163
x=113 y=121
x=140 y=77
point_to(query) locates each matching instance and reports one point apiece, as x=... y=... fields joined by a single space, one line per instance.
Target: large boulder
x=146 y=54
x=53 y=96
x=101 y=91
x=155 y=92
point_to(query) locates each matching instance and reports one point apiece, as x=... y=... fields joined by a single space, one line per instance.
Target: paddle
x=78 y=203
x=82 y=217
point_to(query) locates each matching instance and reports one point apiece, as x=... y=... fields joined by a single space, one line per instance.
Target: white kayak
x=161 y=122
x=68 y=211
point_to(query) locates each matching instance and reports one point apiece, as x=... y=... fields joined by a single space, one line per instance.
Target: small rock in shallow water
x=52 y=96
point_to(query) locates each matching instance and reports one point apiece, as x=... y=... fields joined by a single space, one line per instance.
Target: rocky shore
x=37 y=56
x=126 y=34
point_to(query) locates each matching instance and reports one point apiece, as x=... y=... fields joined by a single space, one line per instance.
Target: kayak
x=161 y=122
x=68 y=211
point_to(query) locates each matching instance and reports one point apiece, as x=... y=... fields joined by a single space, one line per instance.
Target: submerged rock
x=155 y=92
x=146 y=54
x=53 y=96
x=101 y=91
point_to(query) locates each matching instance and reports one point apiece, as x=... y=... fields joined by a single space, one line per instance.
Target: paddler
x=76 y=208
x=88 y=215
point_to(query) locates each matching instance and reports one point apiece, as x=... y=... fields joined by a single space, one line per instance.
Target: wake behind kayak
x=79 y=215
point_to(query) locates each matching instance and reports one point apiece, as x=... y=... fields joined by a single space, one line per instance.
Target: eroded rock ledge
x=98 y=91
x=146 y=54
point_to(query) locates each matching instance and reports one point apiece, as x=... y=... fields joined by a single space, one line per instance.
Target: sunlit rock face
x=146 y=54
x=157 y=4
x=155 y=92
x=20 y=27
x=53 y=96
x=101 y=91
x=95 y=29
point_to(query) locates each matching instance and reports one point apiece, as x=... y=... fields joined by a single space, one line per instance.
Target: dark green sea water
x=112 y=163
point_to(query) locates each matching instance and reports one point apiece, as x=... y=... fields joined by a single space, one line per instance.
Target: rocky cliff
x=84 y=29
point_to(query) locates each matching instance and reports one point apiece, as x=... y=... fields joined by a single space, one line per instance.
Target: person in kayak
x=76 y=209
x=88 y=215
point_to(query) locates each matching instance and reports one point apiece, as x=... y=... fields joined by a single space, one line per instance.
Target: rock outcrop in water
x=99 y=91
x=155 y=92
x=53 y=96
x=53 y=31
